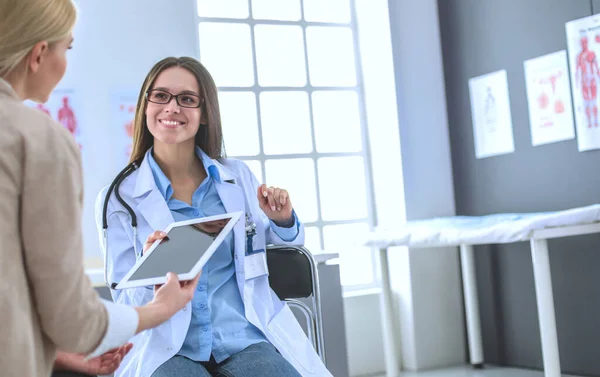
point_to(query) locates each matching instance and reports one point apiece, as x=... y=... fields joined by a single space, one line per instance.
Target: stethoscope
x=250 y=225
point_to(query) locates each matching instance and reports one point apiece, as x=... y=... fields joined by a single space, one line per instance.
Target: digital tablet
x=187 y=248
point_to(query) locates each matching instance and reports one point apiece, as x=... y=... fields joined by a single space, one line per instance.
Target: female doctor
x=235 y=324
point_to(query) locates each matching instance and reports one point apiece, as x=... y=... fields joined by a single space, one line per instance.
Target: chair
x=293 y=275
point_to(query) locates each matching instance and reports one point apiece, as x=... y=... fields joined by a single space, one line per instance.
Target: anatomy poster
x=123 y=105
x=549 y=98
x=583 y=43
x=63 y=106
x=490 y=112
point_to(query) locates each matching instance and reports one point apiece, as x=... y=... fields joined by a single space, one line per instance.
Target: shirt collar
x=164 y=185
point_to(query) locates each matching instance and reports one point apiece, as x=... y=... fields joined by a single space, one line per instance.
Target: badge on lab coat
x=255 y=264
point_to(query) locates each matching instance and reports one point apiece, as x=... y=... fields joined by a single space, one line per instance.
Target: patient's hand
x=104 y=364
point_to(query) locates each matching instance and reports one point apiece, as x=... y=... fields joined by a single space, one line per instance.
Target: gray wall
x=484 y=36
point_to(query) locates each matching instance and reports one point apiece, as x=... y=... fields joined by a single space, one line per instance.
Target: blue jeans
x=258 y=360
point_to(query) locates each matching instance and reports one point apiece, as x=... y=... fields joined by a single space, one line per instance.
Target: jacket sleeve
x=70 y=312
x=121 y=255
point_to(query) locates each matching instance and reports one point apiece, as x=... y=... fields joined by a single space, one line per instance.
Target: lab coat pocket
x=291 y=341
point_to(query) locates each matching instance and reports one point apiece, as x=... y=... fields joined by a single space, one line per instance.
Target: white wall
x=116 y=44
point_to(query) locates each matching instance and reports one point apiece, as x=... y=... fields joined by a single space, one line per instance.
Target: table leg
x=467 y=261
x=545 y=307
x=390 y=343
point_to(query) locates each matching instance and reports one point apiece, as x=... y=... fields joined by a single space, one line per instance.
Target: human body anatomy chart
x=490 y=112
x=63 y=107
x=583 y=41
x=549 y=98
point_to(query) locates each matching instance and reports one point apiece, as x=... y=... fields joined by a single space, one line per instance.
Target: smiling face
x=171 y=123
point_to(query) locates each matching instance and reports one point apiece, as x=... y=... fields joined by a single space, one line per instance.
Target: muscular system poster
x=583 y=44
x=63 y=107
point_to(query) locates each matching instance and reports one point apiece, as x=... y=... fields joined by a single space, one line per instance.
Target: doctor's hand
x=157 y=235
x=276 y=204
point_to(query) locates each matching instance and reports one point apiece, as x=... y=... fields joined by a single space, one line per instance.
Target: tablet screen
x=180 y=251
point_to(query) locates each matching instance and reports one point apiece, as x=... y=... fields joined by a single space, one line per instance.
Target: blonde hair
x=23 y=23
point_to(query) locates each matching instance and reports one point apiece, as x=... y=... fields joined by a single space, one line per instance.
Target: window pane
x=356 y=265
x=223 y=9
x=240 y=123
x=280 y=55
x=255 y=168
x=337 y=121
x=226 y=51
x=285 y=122
x=330 y=56
x=327 y=11
x=297 y=176
x=343 y=188
x=283 y=10
x=312 y=239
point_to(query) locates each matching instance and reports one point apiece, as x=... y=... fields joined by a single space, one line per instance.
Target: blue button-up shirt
x=219 y=325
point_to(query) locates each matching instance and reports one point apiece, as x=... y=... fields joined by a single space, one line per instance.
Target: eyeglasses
x=163 y=97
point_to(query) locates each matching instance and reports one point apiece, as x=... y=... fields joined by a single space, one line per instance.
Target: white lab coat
x=263 y=308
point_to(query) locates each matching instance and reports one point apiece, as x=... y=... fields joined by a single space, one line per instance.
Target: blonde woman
x=47 y=300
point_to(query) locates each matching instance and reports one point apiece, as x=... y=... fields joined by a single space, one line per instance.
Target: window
x=293 y=108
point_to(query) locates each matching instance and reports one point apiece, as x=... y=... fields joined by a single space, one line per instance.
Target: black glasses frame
x=170 y=97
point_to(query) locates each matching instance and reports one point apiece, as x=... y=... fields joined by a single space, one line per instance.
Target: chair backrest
x=290 y=273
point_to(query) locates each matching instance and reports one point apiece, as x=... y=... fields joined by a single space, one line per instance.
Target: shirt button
x=201 y=306
x=205 y=328
x=169 y=348
x=200 y=288
x=196 y=213
x=184 y=309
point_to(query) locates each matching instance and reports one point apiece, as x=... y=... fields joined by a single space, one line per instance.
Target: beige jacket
x=46 y=299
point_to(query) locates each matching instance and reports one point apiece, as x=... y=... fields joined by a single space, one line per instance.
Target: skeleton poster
x=549 y=98
x=490 y=113
x=583 y=44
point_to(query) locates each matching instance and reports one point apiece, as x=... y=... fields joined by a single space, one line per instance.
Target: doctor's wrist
x=285 y=223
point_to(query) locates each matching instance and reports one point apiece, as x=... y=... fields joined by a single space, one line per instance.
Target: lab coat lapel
x=155 y=211
x=232 y=197
x=150 y=202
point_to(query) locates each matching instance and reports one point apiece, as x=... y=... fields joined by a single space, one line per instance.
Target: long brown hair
x=210 y=135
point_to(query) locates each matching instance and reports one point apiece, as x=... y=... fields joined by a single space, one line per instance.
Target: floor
x=489 y=371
